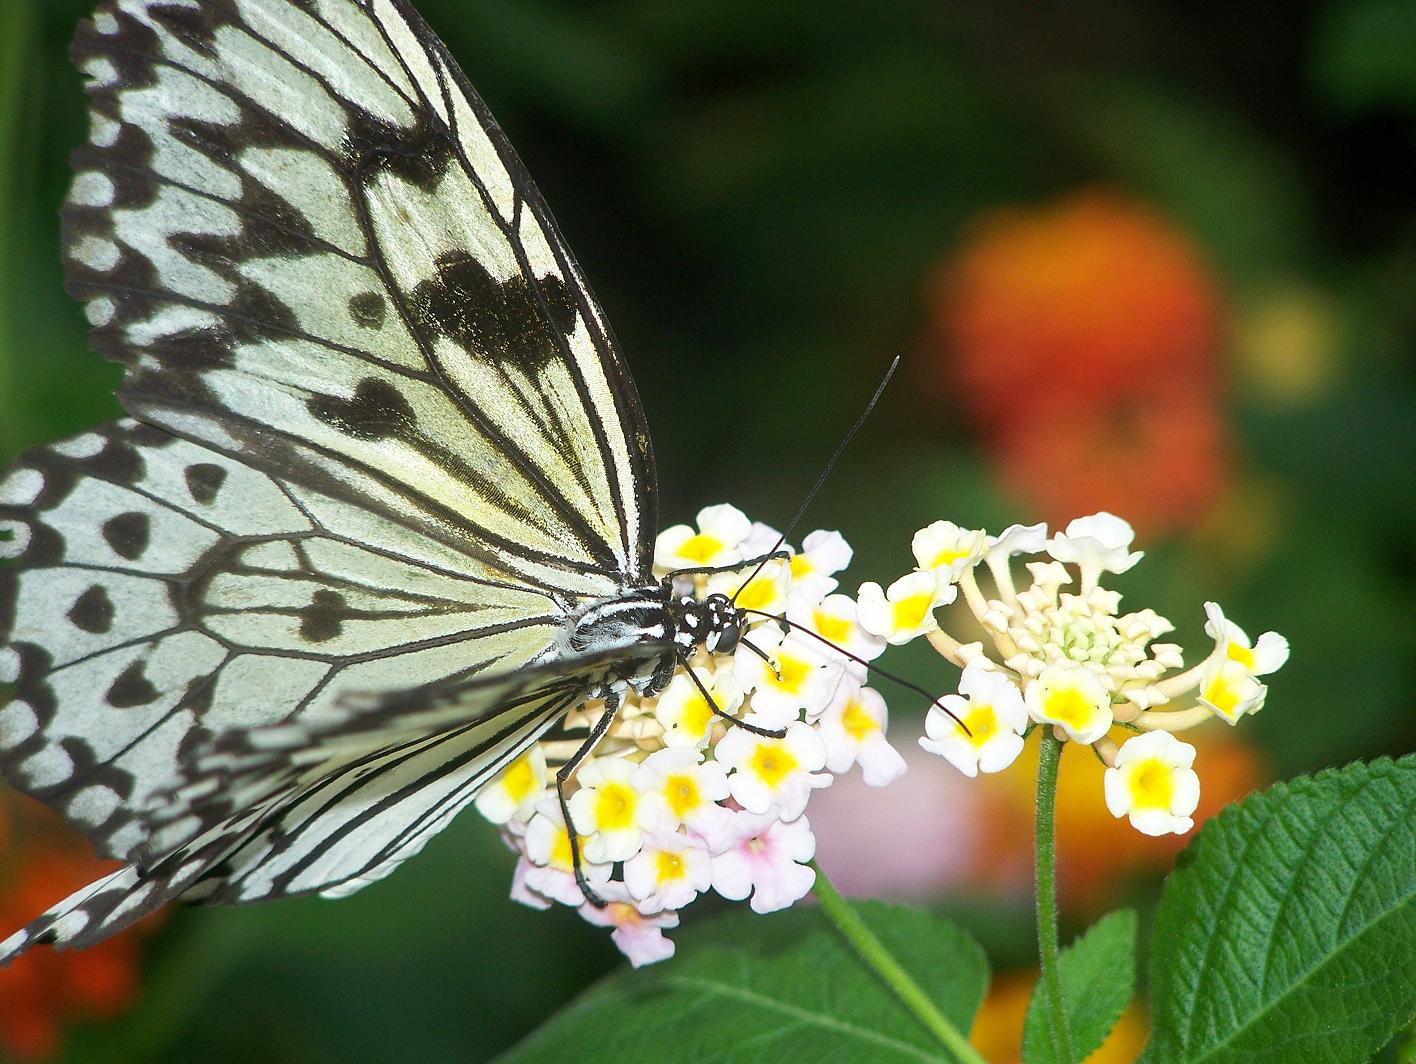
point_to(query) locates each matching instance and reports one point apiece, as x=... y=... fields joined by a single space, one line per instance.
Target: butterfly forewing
x=385 y=449
x=298 y=227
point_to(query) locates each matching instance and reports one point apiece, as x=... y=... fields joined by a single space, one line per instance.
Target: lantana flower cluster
x=1065 y=656
x=677 y=801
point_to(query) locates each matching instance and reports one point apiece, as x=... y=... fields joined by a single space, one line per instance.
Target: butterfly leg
x=709 y=570
x=563 y=774
x=769 y=733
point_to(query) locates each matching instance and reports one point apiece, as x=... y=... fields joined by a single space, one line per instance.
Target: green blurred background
x=772 y=200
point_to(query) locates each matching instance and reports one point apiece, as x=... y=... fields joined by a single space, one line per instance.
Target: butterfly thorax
x=656 y=616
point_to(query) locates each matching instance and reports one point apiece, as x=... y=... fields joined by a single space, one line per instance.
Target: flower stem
x=880 y=960
x=1045 y=866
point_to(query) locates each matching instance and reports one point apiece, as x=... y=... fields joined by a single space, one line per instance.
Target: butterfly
x=384 y=506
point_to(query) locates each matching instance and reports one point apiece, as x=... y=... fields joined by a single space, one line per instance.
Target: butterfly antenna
x=906 y=684
x=820 y=480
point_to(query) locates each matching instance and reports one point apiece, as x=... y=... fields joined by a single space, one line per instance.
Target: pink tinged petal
x=732 y=874
x=521 y=889
x=780 y=886
x=642 y=945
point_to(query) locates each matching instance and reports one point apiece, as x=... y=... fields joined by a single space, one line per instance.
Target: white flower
x=516 y=789
x=798 y=677
x=669 y=872
x=947 y=549
x=762 y=539
x=1072 y=697
x=1258 y=659
x=758 y=854
x=639 y=937
x=853 y=730
x=766 y=591
x=835 y=618
x=906 y=610
x=1153 y=784
x=771 y=772
x=1096 y=544
x=1015 y=540
x=814 y=567
x=721 y=530
x=606 y=810
x=992 y=708
x=550 y=872
x=678 y=787
x=1229 y=689
x=686 y=715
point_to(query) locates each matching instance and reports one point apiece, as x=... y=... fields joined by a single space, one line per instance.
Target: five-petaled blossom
x=678 y=798
x=1065 y=656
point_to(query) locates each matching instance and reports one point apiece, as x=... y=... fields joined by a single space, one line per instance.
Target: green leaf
x=750 y=988
x=1098 y=980
x=1288 y=931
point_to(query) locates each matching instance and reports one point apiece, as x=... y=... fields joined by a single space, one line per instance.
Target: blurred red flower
x=44 y=990
x=1083 y=339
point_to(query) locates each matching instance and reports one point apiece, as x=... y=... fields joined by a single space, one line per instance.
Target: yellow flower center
x=836 y=629
x=801 y=566
x=1242 y=654
x=1069 y=706
x=910 y=612
x=701 y=548
x=622 y=914
x=560 y=851
x=682 y=794
x=669 y=866
x=757 y=595
x=519 y=779
x=792 y=674
x=1221 y=694
x=1152 y=784
x=614 y=806
x=857 y=722
x=773 y=764
x=948 y=556
x=982 y=723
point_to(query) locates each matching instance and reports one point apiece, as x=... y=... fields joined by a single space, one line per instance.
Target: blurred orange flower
x=1083 y=339
x=998 y=1028
x=44 y=990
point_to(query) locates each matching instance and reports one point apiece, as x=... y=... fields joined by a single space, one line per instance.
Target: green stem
x=1049 y=756
x=880 y=960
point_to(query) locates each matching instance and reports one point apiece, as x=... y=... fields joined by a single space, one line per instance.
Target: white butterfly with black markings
x=385 y=506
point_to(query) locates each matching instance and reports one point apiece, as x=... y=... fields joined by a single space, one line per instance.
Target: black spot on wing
x=204 y=481
x=132 y=688
x=377 y=411
x=499 y=320
x=128 y=534
x=368 y=309
x=93 y=611
x=194 y=26
x=322 y=620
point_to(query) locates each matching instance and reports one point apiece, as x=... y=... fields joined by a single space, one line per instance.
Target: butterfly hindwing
x=299 y=228
x=163 y=590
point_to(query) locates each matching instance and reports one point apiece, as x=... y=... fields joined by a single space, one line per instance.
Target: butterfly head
x=714 y=624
